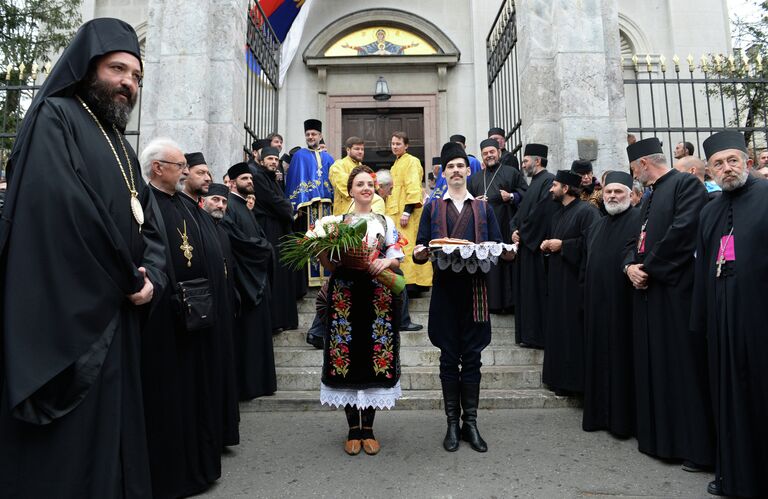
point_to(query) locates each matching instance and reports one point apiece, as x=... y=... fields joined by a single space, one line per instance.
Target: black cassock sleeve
x=271 y=202
x=67 y=273
x=674 y=250
x=253 y=254
x=573 y=248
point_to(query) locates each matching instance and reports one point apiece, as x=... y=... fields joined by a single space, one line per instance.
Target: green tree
x=31 y=32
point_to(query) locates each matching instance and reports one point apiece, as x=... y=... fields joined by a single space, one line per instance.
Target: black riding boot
x=451 y=401
x=470 y=397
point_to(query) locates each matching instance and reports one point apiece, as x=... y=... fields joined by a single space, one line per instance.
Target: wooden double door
x=375 y=127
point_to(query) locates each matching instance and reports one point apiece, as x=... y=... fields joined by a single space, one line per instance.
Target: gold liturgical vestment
x=338 y=176
x=407 y=178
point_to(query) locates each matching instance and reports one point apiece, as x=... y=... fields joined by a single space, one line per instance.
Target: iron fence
x=262 y=76
x=688 y=100
x=503 y=87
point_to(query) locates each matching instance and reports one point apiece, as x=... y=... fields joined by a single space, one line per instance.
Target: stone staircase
x=511 y=374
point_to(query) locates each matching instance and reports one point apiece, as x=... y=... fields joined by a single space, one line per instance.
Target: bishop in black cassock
x=731 y=279
x=77 y=275
x=274 y=214
x=253 y=264
x=564 y=251
x=609 y=380
x=674 y=415
x=529 y=228
x=502 y=187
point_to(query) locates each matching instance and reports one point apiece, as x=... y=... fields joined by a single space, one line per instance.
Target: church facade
x=570 y=60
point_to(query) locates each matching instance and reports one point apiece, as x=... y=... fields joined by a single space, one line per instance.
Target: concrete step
x=506 y=321
x=419 y=378
x=298 y=338
x=493 y=355
x=416 y=400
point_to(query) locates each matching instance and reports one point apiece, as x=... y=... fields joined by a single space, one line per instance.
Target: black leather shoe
x=714 y=488
x=315 y=341
x=452 y=404
x=470 y=398
x=692 y=467
x=412 y=326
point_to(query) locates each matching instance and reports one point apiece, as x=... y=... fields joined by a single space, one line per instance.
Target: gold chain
x=131 y=185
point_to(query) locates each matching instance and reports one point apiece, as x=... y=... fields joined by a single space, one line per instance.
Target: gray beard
x=615 y=209
x=732 y=185
x=101 y=98
x=216 y=214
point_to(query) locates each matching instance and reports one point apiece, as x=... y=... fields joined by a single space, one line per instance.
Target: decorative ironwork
x=503 y=87
x=18 y=87
x=689 y=100
x=262 y=75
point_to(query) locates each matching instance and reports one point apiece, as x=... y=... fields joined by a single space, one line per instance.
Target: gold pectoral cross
x=185 y=247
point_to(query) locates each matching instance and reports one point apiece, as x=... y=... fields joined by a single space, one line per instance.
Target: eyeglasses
x=179 y=165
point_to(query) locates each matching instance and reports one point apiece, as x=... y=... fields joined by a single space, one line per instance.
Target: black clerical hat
x=622 y=178
x=217 y=190
x=452 y=150
x=458 y=138
x=724 y=140
x=435 y=160
x=260 y=144
x=294 y=150
x=643 y=148
x=313 y=124
x=269 y=151
x=286 y=158
x=195 y=158
x=496 y=131
x=567 y=177
x=581 y=166
x=238 y=169
x=539 y=150
x=489 y=143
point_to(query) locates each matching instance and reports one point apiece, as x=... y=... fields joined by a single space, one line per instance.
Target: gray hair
x=154 y=151
x=657 y=158
x=638 y=187
x=384 y=177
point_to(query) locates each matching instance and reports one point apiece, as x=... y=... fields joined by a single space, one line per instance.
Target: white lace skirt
x=378 y=398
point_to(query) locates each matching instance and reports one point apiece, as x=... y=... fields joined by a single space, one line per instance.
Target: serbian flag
x=287 y=18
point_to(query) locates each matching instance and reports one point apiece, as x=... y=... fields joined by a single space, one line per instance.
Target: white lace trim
x=472 y=257
x=378 y=398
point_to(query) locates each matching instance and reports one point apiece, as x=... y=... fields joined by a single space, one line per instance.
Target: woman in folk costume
x=404 y=206
x=361 y=358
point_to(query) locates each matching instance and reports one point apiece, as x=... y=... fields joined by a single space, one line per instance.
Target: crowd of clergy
x=168 y=313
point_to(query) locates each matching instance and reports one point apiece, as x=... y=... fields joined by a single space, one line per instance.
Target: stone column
x=194 y=85
x=571 y=87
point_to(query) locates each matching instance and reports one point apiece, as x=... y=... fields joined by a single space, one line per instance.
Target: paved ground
x=532 y=453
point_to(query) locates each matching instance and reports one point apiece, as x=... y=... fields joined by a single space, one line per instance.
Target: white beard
x=616 y=208
x=732 y=185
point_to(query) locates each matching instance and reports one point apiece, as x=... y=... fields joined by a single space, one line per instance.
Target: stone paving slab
x=532 y=454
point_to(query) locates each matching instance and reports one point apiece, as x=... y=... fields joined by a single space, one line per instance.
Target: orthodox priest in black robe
x=731 y=279
x=253 y=255
x=609 y=380
x=78 y=273
x=529 y=227
x=215 y=203
x=502 y=187
x=182 y=367
x=564 y=251
x=674 y=415
x=274 y=214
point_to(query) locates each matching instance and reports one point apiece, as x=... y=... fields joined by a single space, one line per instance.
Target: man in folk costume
x=731 y=272
x=459 y=322
x=404 y=207
x=308 y=188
